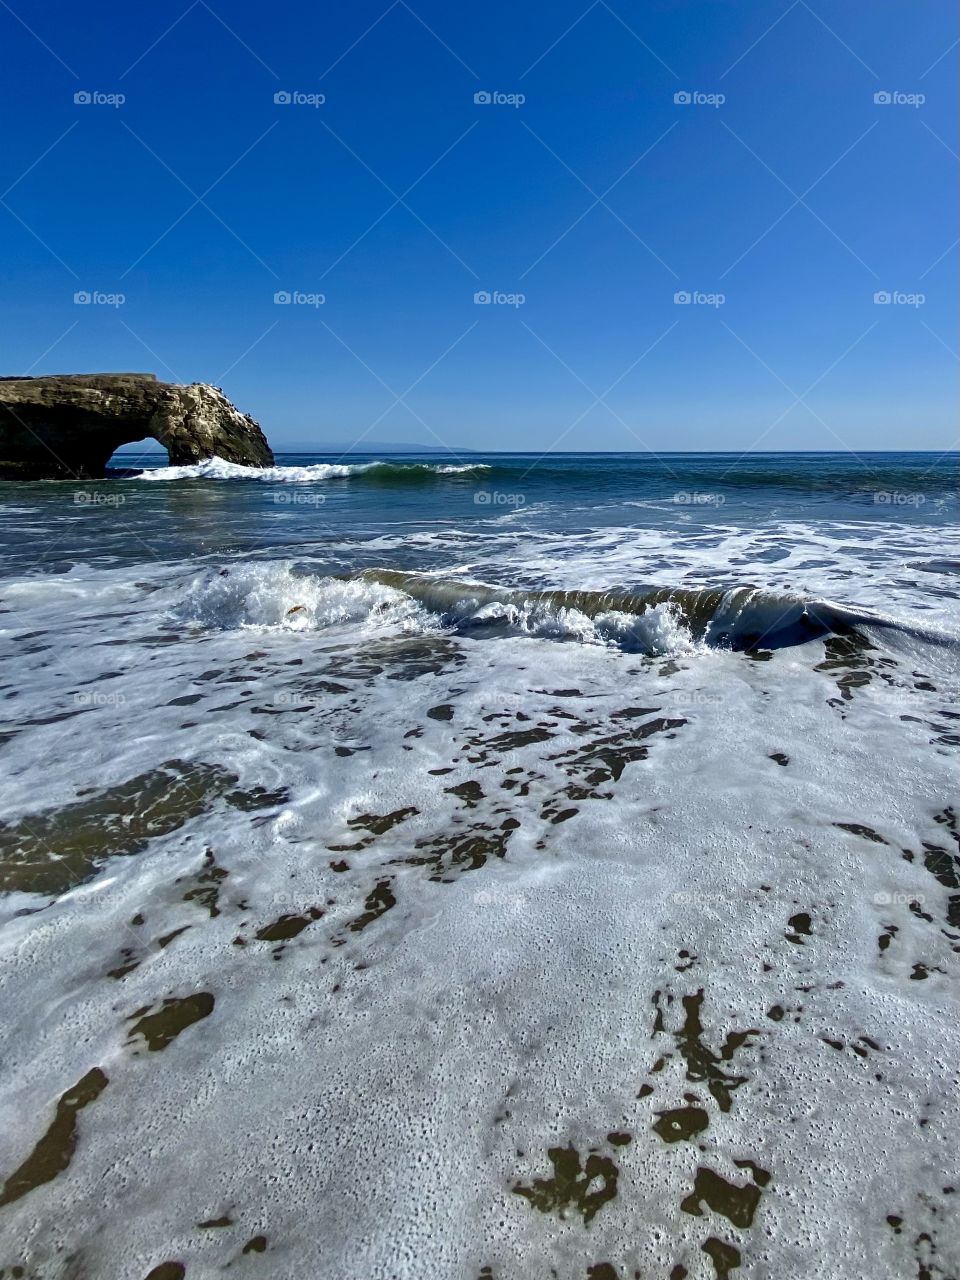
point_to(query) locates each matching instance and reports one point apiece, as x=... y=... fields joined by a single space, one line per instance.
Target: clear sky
x=598 y=198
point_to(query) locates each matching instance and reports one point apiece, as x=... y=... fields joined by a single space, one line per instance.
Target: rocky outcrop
x=66 y=426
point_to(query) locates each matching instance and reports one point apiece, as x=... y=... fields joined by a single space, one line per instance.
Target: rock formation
x=66 y=426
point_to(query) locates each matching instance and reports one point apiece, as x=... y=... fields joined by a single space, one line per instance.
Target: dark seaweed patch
x=53 y=852
x=725 y=1257
x=174 y=1015
x=405 y=658
x=569 y=1188
x=466 y=850
x=849 y=657
x=378 y=824
x=702 y=1062
x=515 y=739
x=206 y=885
x=739 y=1204
x=54 y=1151
x=681 y=1124
x=859 y=829
x=471 y=793
x=619 y=1139
x=288 y=926
x=257 y=798
x=801 y=924
x=604 y=759
x=378 y=901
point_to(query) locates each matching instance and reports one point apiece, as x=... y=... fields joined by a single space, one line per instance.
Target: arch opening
x=137 y=455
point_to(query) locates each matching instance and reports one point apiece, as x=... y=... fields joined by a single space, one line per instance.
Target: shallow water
x=539 y=868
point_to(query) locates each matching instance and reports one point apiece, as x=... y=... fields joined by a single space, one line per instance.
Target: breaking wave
x=384 y=472
x=660 y=620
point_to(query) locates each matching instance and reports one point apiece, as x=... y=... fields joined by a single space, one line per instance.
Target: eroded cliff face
x=66 y=426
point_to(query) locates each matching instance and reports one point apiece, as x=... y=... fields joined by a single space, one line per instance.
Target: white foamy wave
x=658 y=630
x=275 y=597
x=219 y=469
x=454 y=470
x=278 y=598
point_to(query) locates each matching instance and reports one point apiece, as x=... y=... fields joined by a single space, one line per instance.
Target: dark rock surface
x=66 y=426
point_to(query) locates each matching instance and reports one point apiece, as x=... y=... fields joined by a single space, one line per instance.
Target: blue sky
x=598 y=198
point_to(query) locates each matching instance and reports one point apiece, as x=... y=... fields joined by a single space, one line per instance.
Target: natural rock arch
x=67 y=426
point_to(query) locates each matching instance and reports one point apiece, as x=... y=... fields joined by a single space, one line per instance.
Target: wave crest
x=745 y=617
x=378 y=470
x=655 y=621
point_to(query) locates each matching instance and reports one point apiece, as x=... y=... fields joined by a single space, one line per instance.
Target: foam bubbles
x=474 y=916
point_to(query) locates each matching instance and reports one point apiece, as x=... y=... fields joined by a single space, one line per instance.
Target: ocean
x=495 y=867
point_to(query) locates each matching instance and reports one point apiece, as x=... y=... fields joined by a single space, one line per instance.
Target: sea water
x=484 y=867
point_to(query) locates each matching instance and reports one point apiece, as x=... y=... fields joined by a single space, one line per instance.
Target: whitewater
x=484 y=868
